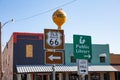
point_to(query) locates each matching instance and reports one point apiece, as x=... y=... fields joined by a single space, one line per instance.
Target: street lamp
x=1 y=26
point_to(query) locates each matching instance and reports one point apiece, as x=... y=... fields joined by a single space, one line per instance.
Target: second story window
x=29 y=50
x=73 y=60
x=89 y=61
x=102 y=59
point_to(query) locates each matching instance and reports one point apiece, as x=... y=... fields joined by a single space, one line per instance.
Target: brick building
x=115 y=62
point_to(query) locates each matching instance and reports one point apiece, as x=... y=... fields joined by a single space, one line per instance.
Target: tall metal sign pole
x=0 y=54
x=54 y=40
x=59 y=18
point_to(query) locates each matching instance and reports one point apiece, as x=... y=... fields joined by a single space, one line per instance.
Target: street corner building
x=24 y=58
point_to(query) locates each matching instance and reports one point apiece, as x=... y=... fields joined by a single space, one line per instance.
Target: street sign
x=54 y=57
x=54 y=39
x=82 y=67
x=82 y=47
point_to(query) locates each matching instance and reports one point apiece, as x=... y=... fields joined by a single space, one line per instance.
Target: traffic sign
x=82 y=67
x=54 y=39
x=54 y=57
x=82 y=47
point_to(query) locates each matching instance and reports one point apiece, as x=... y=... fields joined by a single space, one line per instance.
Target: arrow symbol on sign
x=51 y=57
x=88 y=56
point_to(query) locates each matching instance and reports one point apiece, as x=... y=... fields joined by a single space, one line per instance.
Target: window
x=29 y=50
x=73 y=60
x=89 y=61
x=95 y=76
x=23 y=76
x=73 y=76
x=102 y=59
x=107 y=76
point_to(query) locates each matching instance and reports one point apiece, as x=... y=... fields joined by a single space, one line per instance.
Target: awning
x=102 y=68
x=117 y=67
x=41 y=68
x=60 y=68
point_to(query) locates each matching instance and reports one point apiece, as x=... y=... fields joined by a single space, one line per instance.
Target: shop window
x=107 y=76
x=73 y=60
x=29 y=50
x=56 y=77
x=86 y=77
x=38 y=77
x=89 y=61
x=73 y=77
x=23 y=76
x=95 y=76
x=102 y=59
x=117 y=75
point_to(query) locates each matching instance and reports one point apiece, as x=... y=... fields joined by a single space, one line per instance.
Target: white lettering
x=82 y=51
x=82 y=46
x=53 y=35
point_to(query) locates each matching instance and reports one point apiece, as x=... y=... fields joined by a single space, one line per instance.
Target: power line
x=65 y=4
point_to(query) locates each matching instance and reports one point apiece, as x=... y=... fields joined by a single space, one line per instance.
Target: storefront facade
x=66 y=76
x=24 y=59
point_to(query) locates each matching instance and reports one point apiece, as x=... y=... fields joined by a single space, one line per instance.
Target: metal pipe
x=53 y=67
x=0 y=53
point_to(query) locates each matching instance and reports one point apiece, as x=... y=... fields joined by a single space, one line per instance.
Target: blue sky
x=98 y=18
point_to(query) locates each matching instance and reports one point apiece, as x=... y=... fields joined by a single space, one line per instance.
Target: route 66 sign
x=54 y=39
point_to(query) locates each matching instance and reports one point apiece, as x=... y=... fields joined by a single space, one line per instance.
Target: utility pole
x=0 y=53
x=1 y=26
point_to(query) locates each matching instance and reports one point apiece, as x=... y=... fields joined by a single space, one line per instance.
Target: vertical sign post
x=55 y=39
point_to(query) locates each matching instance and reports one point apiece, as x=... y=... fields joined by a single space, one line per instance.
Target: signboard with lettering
x=54 y=57
x=82 y=67
x=82 y=47
x=54 y=39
